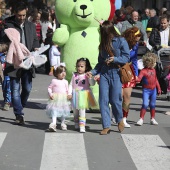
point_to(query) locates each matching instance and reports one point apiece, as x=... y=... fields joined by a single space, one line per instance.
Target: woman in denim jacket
x=113 y=51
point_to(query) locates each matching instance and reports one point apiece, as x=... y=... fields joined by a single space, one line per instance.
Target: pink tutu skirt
x=59 y=106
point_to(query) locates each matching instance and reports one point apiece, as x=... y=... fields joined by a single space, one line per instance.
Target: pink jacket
x=17 y=51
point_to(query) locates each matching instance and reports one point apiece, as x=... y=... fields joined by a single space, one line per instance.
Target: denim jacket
x=121 y=55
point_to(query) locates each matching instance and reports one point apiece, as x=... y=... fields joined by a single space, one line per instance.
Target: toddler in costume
x=54 y=57
x=149 y=85
x=82 y=97
x=58 y=104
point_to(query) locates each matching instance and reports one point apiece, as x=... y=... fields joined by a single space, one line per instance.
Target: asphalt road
x=29 y=147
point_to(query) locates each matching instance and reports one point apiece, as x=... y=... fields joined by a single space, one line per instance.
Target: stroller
x=161 y=68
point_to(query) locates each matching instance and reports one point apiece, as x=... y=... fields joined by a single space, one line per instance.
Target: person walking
x=132 y=36
x=82 y=97
x=21 y=79
x=113 y=51
x=150 y=87
x=58 y=104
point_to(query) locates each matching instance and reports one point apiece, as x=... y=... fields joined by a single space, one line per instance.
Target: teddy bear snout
x=83 y=7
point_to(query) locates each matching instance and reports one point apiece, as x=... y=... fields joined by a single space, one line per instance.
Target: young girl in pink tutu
x=58 y=104
x=82 y=97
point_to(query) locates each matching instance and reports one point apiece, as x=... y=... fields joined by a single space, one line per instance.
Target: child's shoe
x=82 y=129
x=63 y=126
x=6 y=107
x=52 y=127
x=140 y=122
x=76 y=126
x=153 y=122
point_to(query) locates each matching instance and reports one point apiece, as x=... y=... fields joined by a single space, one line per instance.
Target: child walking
x=54 y=57
x=6 y=81
x=58 y=104
x=150 y=87
x=82 y=97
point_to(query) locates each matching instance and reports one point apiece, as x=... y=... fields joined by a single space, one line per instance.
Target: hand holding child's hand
x=96 y=77
x=89 y=74
x=69 y=97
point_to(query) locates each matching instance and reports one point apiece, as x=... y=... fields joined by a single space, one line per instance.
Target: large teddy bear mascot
x=78 y=35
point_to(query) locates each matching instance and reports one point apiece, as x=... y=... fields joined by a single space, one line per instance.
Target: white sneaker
x=126 y=125
x=140 y=122
x=63 y=126
x=153 y=122
x=82 y=130
x=52 y=127
x=76 y=126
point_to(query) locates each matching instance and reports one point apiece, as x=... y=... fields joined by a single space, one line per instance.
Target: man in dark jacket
x=160 y=37
x=153 y=22
x=21 y=77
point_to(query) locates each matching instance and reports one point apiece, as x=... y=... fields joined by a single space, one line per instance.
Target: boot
x=51 y=71
x=121 y=126
x=82 y=123
x=105 y=131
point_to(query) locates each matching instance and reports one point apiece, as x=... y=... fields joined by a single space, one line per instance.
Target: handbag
x=126 y=73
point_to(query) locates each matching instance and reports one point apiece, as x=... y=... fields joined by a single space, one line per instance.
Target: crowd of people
x=120 y=40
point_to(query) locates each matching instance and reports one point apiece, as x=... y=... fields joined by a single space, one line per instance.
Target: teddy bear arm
x=61 y=35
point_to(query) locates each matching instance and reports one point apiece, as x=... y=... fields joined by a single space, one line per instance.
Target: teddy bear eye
x=74 y=0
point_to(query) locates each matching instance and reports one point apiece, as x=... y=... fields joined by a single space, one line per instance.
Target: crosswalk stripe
x=148 y=152
x=2 y=138
x=64 y=151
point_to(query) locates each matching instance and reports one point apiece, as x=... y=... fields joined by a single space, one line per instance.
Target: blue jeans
x=6 y=89
x=110 y=91
x=19 y=100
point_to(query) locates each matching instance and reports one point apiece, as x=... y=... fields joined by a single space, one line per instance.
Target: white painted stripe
x=63 y=151
x=148 y=152
x=36 y=99
x=2 y=138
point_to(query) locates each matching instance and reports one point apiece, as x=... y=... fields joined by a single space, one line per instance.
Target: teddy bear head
x=84 y=13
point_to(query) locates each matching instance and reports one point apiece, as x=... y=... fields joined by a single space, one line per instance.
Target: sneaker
x=20 y=120
x=140 y=122
x=125 y=123
x=153 y=122
x=82 y=130
x=52 y=127
x=6 y=107
x=76 y=126
x=63 y=126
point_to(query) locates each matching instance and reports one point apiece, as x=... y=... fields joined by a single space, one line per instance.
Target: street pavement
x=30 y=147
